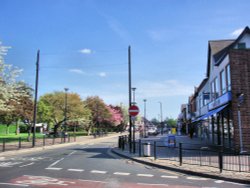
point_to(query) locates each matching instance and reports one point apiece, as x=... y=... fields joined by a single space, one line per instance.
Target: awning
x=210 y=113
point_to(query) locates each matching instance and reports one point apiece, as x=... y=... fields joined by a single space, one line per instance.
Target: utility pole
x=35 y=102
x=129 y=96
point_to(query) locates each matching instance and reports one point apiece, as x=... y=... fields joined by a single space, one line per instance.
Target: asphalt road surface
x=92 y=165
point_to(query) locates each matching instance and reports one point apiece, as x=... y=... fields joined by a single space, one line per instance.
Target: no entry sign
x=133 y=110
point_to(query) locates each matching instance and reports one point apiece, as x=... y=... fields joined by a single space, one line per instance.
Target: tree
x=99 y=110
x=10 y=89
x=21 y=109
x=171 y=122
x=51 y=108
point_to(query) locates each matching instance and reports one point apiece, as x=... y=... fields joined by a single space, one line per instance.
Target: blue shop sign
x=224 y=99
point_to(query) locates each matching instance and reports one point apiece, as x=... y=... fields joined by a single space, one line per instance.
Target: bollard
x=180 y=153
x=19 y=143
x=3 y=144
x=154 y=150
x=123 y=143
x=139 y=147
x=43 y=140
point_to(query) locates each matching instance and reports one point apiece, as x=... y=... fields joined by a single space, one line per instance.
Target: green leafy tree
x=51 y=108
x=99 y=112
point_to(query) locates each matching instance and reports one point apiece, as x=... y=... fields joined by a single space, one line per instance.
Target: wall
x=240 y=82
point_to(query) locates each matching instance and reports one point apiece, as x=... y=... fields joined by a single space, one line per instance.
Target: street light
x=240 y=101
x=144 y=100
x=161 y=117
x=65 y=108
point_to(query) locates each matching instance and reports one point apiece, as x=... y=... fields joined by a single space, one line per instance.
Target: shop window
x=228 y=78
x=241 y=45
x=223 y=82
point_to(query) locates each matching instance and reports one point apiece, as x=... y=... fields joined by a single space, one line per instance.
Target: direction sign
x=133 y=110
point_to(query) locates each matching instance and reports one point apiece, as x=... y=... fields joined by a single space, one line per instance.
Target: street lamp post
x=240 y=101
x=65 y=109
x=161 y=117
x=144 y=129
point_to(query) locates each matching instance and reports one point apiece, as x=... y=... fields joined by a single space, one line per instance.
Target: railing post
x=139 y=147
x=154 y=150
x=180 y=153
x=3 y=144
x=119 y=142
x=43 y=140
x=220 y=155
x=19 y=143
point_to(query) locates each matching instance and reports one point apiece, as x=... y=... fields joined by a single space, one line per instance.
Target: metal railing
x=9 y=144
x=193 y=154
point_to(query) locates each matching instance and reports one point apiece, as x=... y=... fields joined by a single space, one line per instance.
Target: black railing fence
x=9 y=144
x=193 y=154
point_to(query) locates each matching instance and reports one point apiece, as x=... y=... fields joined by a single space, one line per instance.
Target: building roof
x=220 y=48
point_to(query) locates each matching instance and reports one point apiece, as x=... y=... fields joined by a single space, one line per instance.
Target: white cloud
x=85 y=51
x=102 y=74
x=164 y=89
x=77 y=71
x=237 y=32
x=159 y=34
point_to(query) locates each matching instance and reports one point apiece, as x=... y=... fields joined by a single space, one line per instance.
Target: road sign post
x=133 y=112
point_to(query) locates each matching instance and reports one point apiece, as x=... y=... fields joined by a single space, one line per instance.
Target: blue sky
x=84 y=45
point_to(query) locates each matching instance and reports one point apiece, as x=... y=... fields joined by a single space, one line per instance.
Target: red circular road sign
x=133 y=110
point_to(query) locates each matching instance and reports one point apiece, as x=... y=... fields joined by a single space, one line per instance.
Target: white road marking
x=122 y=173
x=145 y=175
x=149 y=184
x=93 y=181
x=98 y=172
x=15 y=184
x=76 y=170
x=9 y=164
x=53 y=168
x=172 y=177
x=53 y=164
x=71 y=153
x=27 y=165
x=196 y=178
x=219 y=181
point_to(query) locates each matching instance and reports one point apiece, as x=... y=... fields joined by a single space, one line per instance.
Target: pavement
x=189 y=169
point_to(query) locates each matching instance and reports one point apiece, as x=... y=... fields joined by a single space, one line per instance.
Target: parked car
x=153 y=131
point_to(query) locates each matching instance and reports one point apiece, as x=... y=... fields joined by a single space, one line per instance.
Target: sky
x=84 y=46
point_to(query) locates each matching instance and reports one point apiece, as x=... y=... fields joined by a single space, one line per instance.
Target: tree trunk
x=17 y=126
x=7 y=129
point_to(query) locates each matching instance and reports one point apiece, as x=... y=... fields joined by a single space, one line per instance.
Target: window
x=215 y=88
x=241 y=45
x=223 y=82
x=228 y=76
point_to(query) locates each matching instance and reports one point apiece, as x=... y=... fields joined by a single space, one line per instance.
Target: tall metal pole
x=65 y=109
x=35 y=101
x=144 y=130
x=133 y=119
x=161 y=117
x=129 y=96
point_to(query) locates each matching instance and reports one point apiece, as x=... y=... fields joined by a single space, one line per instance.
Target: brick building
x=222 y=99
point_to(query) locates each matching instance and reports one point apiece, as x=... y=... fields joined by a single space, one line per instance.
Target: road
x=91 y=165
